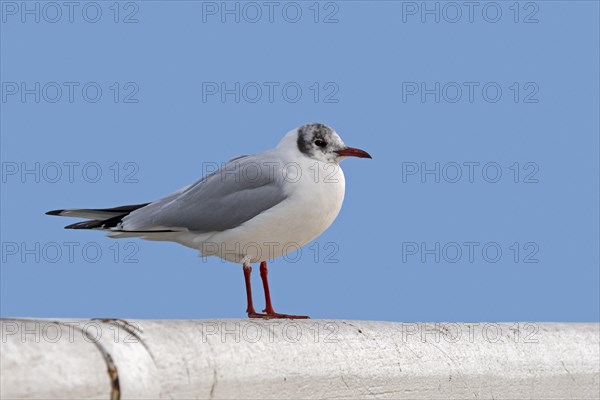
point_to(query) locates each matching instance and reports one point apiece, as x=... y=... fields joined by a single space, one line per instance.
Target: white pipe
x=59 y=359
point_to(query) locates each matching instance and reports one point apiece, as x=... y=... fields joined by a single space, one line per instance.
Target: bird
x=252 y=209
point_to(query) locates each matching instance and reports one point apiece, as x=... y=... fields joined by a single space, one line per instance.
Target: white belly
x=312 y=205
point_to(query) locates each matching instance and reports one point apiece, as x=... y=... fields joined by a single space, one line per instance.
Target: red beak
x=353 y=152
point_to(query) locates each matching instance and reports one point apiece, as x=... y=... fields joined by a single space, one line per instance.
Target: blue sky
x=480 y=203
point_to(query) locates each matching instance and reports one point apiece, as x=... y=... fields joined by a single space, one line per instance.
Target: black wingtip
x=85 y=225
x=54 y=212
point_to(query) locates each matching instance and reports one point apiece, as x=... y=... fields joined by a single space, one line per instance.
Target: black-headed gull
x=254 y=208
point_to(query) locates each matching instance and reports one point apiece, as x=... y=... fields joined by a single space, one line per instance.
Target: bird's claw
x=288 y=316
x=257 y=315
x=275 y=315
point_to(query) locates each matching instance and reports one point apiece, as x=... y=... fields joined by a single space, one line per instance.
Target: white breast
x=314 y=200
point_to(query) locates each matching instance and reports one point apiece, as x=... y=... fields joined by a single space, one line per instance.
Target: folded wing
x=237 y=192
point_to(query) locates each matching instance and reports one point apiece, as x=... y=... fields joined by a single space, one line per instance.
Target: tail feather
x=102 y=218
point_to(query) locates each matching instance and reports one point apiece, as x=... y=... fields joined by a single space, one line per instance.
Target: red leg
x=250 y=309
x=264 y=273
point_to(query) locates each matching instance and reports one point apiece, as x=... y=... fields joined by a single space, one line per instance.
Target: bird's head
x=322 y=143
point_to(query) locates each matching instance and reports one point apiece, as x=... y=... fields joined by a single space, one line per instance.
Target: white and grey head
x=322 y=143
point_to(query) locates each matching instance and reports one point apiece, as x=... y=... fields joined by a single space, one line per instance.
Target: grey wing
x=237 y=192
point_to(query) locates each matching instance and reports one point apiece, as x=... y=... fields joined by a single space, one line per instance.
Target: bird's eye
x=320 y=143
